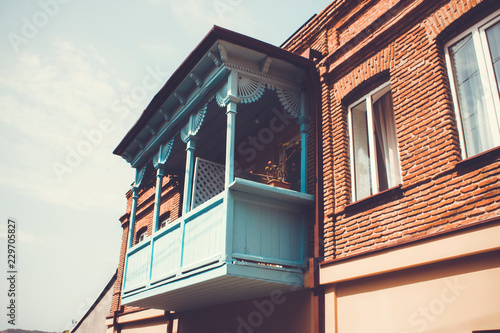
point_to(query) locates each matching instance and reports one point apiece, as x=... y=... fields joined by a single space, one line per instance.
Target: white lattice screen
x=208 y=181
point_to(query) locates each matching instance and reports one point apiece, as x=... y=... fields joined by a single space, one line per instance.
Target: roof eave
x=215 y=34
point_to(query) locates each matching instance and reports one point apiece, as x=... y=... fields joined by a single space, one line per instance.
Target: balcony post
x=139 y=174
x=232 y=101
x=304 y=130
x=188 y=179
x=159 y=181
x=159 y=162
x=132 y=217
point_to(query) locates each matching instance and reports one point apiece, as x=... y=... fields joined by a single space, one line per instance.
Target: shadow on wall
x=279 y=312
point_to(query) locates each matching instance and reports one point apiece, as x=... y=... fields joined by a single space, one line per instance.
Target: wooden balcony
x=243 y=243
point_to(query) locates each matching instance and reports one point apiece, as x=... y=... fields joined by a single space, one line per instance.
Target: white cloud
x=47 y=103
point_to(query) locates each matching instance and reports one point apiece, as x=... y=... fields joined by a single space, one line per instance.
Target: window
x=373 y=144
x=141 y=235
x=473 y=60
x=165 y=219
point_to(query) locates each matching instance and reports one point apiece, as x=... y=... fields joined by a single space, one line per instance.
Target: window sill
x=383 y=196
x=479 y=158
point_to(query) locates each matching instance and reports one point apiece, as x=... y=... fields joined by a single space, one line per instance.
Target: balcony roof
x=200 y=72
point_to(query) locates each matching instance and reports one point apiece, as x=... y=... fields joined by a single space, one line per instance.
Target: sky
x=66 y=67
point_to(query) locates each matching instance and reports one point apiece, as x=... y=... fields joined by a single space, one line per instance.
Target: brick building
x=383 y=118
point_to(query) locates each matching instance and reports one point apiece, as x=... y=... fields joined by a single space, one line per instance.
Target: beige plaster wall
x=459 y=296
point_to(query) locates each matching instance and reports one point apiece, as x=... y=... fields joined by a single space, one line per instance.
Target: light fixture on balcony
x=257 y=119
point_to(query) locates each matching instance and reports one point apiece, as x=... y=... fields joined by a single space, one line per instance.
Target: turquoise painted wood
x=203 y=235
x=188 y=177
x=138 y=265
x=268 y=230
x=250 y=230
x=166 y=256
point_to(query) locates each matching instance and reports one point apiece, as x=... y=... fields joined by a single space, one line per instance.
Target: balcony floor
x=223 y=283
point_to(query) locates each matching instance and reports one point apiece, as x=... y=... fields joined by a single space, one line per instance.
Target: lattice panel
x=208 y=181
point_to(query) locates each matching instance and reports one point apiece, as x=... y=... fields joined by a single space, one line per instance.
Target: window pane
x=385 y=142
x=493 y=35
x=361 y=156
x=471 y=99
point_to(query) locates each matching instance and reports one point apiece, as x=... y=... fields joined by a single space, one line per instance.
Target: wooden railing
x=251 y=223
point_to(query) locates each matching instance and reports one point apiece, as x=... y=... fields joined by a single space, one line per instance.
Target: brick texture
x=367 y=43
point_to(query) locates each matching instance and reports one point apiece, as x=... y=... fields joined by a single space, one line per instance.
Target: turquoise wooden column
x=231 y=109
x=132 y=217
x=188 y=177
x=139 y=174
x=188 y=136
x=160 y=172
x=304 y=130
x=159 y=161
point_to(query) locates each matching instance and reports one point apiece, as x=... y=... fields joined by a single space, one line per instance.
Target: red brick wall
x=367 y=43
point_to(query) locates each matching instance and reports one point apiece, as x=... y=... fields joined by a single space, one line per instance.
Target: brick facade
x=364 y=44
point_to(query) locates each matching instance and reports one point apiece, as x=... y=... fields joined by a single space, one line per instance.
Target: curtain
x=385 y=142
x=493 y=36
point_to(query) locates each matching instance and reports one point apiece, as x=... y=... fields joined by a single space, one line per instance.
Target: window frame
x=141 y=235
x=165 y=219
x=487 y=74
x=374 y=181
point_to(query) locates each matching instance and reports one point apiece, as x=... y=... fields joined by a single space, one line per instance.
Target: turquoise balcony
x=232 y=117
x=243 y=243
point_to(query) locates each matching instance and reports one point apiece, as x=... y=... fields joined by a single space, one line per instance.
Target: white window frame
x=165 y=221
x=487 y=74
x=368 y=98
x=142 y=236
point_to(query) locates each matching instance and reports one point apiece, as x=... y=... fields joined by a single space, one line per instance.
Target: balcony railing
x=241 y=243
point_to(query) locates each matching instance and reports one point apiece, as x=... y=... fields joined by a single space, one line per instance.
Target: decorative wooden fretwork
x=250 y=90
x=161 y=157
x=208 y=181
x=290 y=100
x=194 y=125
x=138 y=177
x=220 y=96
